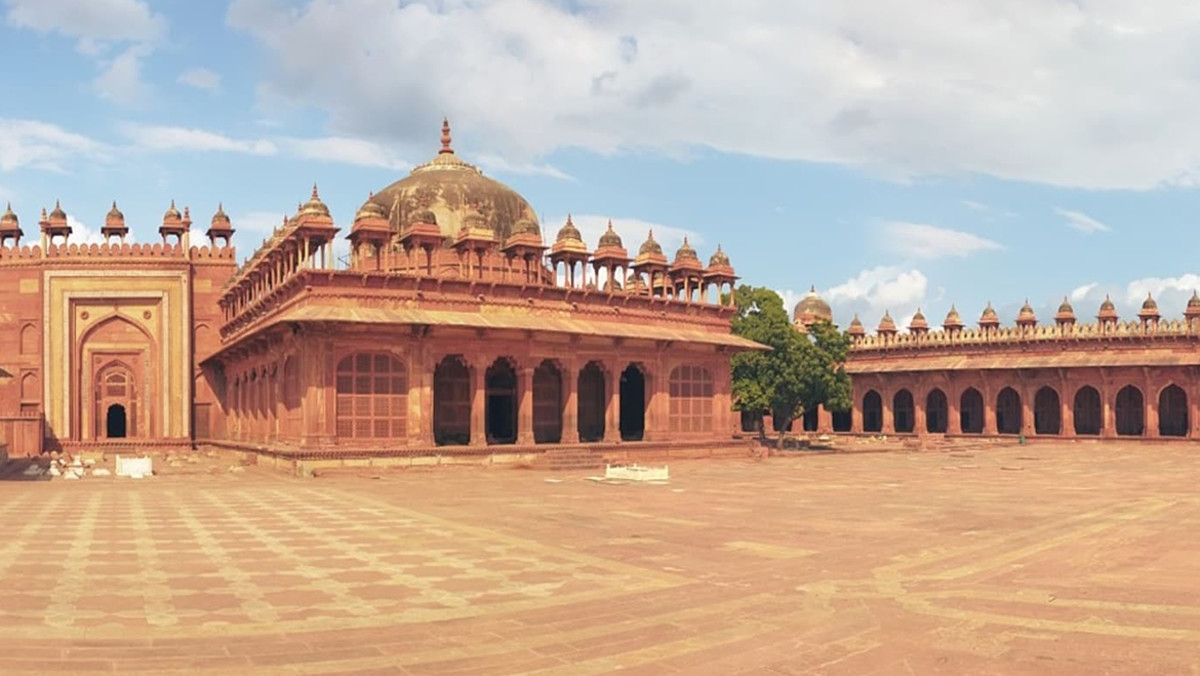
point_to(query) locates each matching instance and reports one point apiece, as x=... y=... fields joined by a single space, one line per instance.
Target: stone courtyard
x=1040 y=559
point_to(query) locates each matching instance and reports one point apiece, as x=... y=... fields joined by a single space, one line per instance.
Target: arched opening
x=1047 y=412
x=372 y=396
x=812 y=418
x=1008 y=412
x=903 y=419
x=1172 y=412
x=547 y=403
x=970 y=411
x=115 y=424
x=751 y=420
x=591 y=402
x=936 y=412
x=843 y=421
x=633 y=403
x=1087 y=411
x=872 y=412
x=452 y=402
x=500 y=424
x=1131 y=412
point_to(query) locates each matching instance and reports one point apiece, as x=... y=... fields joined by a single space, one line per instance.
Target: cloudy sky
x=895 y=155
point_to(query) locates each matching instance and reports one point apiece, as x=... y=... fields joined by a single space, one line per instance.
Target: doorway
x=116 y=422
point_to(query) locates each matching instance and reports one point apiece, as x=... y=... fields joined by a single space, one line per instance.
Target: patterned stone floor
x=1044 y=559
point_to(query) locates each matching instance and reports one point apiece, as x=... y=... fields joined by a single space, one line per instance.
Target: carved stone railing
x=1173 y=329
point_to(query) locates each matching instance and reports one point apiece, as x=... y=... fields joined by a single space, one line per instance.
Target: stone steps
x=569 y=459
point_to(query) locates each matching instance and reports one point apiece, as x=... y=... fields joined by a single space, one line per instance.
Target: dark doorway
x=633 y=404
x=811 y=419
x=501 y=383
x=547 y=403
x=1047 y=412
x=1008 y=412
x=903 y=415
x=115 y=423
x=452 y=402
x=843 y=421
x=1131 y=411
x=1172 y=412
x=591 y=402
x=936 y=412
x=872 y=412
x=1087 y=411
x=970 y=411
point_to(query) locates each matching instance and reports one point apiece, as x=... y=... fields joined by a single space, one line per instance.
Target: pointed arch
x=936 y=411
x=1173 y=411
x=970 y=411
x=1047 y=411
x=1009 y=416
x=1087 y=411
x=1131 y=412
x=903 y=412
x=872 y=412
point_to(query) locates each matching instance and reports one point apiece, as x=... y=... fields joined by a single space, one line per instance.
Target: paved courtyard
x=1040 y=559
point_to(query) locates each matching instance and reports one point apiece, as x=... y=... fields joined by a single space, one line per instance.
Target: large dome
x=452 y=189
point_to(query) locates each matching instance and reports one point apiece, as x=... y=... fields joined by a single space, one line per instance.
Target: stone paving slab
x=1046 y=559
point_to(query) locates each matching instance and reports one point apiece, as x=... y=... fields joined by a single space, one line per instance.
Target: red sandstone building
x=453 y=324
x=1106 y=379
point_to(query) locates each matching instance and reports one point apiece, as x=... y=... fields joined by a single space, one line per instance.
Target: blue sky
x=893 y=155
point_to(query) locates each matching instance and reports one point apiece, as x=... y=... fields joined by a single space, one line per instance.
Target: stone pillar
x=953 y=412
x=824 y=420
x=1027 y=420
x=856 y=417
x=1151 y=430
x=570 y=376
x=479 y=403
x=525 y=409
x=1108 y=415
x=612 y=409
x=989 y=416
x=920 y=423
x=1068 y=413
x=421 y=371
x=889 y=421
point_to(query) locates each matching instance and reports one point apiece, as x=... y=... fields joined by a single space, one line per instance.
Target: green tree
x=799 y=372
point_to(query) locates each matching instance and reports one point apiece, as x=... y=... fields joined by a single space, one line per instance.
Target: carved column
x=920 y=422
x=1027 y=413
x=478 y=402
x=1151 y=397
x=612 y=410
x=525 y=409
x=889 y=421
x=1066 y=401
x=1108 y=420
x=824 y=420
x=570 y=377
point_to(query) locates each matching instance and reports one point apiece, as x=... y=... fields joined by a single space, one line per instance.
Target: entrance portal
x=501 y=423
x=115 y=422
x=633 y=404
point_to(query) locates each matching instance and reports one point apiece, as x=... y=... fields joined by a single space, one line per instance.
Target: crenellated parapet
x=1114 y=331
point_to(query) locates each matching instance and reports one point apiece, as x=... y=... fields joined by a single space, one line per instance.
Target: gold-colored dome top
x=989 y=315
x=886 y=324
x=812 y=308
x=220 y=218
x=650 y=246
x=1065 y=307
x=314 y=206
x=1193 y=302
x=569 y=233
x=1149 y=303
x=719 y=259
x=953 y=319
x=856 y=327
x=685 y=253
x=1026 y=313
x=452 y=188
x=526 y=226
x=114 y=214
x=172 y=214
x=1107 y=309
x=370 y=209
x=918 y=320
x=9 y=218
x=58 y=214
x=610 y=238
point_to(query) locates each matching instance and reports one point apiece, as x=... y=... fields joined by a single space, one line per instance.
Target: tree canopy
x=800 y=372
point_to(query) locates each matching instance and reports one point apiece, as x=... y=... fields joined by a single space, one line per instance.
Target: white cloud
x=1171 y=293
x=875 y=290
x=498 y=165
x=81 y=233
x=200 y=78
x=1081 y=221
x=121 y=79
x=154 y=137
x=92 y=20
x=41 y=145
x=1094 y=95
x=918 y=240
x=1081 y=292
x=345 y=151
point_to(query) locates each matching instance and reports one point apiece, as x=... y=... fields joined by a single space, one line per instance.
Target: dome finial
x=314 y=192
x=446 y=149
